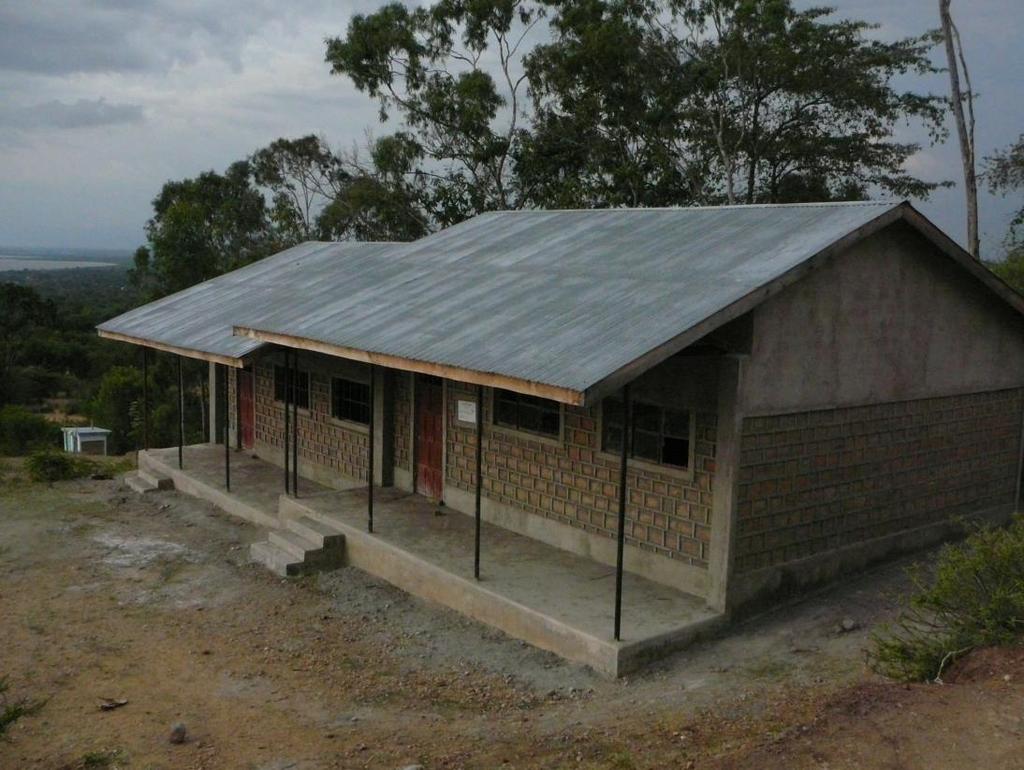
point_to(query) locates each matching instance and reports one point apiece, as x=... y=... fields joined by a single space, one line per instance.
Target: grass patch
x=768 y=668
x=621 y=760
x=974 y=598
x=13 y=710
x=100 y=759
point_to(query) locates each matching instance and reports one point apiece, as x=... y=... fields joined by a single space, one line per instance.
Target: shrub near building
x=21 y=431
x=975 y=599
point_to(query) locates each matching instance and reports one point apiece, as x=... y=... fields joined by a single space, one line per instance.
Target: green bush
x=974 y=598
x=22 y=431
x=48 y=465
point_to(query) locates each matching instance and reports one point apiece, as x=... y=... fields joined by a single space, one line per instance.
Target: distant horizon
x=51 y=252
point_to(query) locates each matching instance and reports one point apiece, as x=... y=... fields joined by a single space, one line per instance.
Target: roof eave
x=202 y=355
x=474 y=377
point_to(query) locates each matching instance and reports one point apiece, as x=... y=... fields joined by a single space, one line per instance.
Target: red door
x=246 y=408
x=429 y=437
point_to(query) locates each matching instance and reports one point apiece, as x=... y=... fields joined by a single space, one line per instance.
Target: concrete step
x=140 y=484
x=156 y=479
x=276 y=559
x=324 y=535
x=293 y=543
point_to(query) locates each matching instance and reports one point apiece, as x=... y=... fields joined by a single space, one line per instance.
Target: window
x=528 y=413
x=350 y=401
x=301 y=392
x=660 y=435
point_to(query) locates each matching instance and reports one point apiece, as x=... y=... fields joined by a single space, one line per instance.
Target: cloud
x=54 y=37
x=83 y=113
x=189 y=85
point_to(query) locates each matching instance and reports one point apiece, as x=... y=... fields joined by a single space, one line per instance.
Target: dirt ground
x=107 y=595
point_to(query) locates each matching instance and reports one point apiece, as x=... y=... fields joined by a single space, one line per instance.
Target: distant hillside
x=98 y=286
x=119 y=256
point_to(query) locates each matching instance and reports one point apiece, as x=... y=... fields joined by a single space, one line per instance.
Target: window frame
x=346 y=421
x=298 y=389
x=643 y=462
x=532 y=435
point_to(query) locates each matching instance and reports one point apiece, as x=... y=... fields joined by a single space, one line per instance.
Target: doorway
x=429 y=426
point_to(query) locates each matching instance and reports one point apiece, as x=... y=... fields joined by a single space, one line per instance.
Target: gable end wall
x=882 y=400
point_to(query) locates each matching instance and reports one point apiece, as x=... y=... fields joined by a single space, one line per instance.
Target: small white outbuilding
x=88 y=441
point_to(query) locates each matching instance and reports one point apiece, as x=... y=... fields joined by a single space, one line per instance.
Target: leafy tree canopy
x=290 y=191
x=641 y=102
x=24 y=314
x=203 y=227
x=302 y=175
x=384 y=201
x=744 y=101
x=453 y=71
x=1005 y=173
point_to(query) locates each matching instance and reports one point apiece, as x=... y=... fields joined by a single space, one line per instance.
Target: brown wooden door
x=246 y=408
x=429 y=437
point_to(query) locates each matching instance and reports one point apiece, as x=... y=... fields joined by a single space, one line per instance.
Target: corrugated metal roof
x=200 y=319
x=559 y=298
x=562 y=298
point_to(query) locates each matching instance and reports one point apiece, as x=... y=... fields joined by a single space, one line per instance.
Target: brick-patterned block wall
x=816 y=481
x=321 y=439
x=574 y=483
x=403 y=420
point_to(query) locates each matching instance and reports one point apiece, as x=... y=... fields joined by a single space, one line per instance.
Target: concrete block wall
x=323 y=441
x=817 y=481
x=572 y=482
x=403 y=420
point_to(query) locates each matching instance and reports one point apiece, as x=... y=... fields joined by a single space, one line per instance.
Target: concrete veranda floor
x=255 y=483
x=548 y=596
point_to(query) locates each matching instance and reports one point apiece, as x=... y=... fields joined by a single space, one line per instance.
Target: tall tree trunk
x=964 y=127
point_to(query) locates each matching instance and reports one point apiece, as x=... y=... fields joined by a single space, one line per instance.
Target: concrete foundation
x=551 y=598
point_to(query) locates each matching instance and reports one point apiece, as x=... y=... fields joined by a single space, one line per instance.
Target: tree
x=24 y=314
x=428 y=64
x=386 y=200
x=641 y=102
x=115 y=403
x=607 y=127
x=743 y=101
x=1011 y=267
x=203 y=227
x=791 y=105
x=964 y=126
x=303 y=175
x=1005 y=173
x=22 y=431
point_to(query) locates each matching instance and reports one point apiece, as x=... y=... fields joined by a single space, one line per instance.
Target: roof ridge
x=359 y=243
x=812 y=204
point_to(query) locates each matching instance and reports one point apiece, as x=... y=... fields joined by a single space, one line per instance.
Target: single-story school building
x=719 y=404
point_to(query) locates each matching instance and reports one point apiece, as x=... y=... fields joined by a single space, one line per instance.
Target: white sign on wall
x=467 y=411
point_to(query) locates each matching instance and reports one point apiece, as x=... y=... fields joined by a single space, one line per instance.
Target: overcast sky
x=101 y=101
